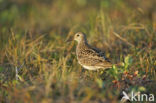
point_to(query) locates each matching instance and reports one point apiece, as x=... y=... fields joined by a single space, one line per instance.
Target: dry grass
x=38 y=66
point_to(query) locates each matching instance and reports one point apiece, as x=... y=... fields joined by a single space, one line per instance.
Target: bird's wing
x=100 y=53
x=91 y=61
x=96 y=53
x=94 y=58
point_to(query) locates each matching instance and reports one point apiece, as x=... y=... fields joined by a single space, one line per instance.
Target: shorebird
x=89 y=57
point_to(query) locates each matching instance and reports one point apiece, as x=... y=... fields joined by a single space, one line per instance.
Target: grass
x=38 y=66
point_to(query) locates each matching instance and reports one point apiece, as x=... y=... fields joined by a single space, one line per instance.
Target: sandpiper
x=90 y=58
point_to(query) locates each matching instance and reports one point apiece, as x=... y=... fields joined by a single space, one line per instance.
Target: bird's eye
x=78 y=35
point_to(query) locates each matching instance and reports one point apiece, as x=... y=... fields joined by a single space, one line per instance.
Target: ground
x=37 y=65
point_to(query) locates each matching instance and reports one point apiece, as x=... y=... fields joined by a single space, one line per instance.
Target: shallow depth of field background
x=37 y=65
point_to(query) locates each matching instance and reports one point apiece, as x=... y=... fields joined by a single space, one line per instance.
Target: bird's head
x=80 y=37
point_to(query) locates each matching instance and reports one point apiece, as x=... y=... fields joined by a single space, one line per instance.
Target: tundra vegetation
x=38 y=66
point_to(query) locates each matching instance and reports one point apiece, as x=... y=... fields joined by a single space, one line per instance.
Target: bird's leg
x=83 y=70
x=102 y=74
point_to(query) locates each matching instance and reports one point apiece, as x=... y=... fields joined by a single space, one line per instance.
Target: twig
x=123 y=39
x=17 y=71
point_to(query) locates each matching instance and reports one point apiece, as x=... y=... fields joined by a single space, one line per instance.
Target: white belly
x=91 y=67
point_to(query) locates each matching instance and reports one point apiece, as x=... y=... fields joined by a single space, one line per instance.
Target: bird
x=89 y=57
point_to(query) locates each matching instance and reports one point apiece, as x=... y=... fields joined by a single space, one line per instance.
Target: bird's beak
x=69 y=39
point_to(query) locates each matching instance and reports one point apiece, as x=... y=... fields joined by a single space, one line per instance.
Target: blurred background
x=49 y=16
x=37 y=65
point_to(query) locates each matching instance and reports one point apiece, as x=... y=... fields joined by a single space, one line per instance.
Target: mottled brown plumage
x=89 y=57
